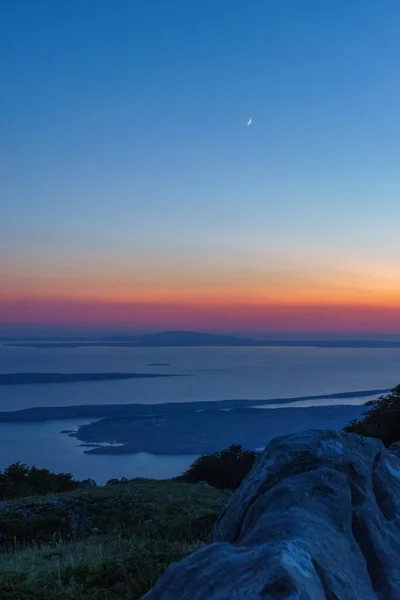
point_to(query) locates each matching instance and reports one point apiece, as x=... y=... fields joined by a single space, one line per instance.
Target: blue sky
x=123 y=143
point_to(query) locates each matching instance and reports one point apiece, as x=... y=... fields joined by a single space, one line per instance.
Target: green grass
x=109 y=543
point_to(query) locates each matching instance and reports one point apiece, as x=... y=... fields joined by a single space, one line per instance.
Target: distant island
x=165 y=339
x=45 y=378
x=158 y=365
x=105 y=411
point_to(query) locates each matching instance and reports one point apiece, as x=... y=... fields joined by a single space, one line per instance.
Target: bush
x=382 y=420
x=19 y=480
x=225 y=469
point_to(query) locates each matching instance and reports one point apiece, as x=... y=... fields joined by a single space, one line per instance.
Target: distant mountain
x=191 y=338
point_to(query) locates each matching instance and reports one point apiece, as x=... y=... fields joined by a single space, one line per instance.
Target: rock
x=395 y=448
x=317 y=518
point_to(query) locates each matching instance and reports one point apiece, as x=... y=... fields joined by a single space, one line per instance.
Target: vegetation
x=19 y=480
x=105 y=543
x=108 y=543
x=382 y=420
x=59 y=542
x=225 y=469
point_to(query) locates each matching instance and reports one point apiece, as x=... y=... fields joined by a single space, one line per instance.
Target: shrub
x=225 y=469
x=19 y=480
x=382 y=420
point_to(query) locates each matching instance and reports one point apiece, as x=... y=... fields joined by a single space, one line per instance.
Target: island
x=101 y=411
x=208 y=431
x=45 y=378
x=159 y=365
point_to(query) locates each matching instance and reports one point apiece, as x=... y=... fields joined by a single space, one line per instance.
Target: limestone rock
x=317 y=518
x=395 y=448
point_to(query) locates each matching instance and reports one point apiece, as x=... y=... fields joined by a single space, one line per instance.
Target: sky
x=133 y=195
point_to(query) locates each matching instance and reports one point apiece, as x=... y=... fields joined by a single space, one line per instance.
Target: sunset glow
x=261 y=303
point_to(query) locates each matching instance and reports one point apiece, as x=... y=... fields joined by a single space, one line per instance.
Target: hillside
x=108 y=543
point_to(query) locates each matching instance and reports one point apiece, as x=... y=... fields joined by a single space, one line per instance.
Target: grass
x=109 y=543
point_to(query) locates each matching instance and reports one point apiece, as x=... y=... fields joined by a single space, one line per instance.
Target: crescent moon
x=249 y=122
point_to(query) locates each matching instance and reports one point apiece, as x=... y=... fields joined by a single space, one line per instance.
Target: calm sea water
x=212 y=374
x=43 y=445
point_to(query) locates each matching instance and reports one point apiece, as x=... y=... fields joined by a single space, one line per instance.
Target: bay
x=210 y=374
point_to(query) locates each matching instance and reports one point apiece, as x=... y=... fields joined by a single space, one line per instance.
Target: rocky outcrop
x=395 y=448
x=318 y=518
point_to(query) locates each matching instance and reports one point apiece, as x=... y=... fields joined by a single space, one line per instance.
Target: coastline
x=85 y=411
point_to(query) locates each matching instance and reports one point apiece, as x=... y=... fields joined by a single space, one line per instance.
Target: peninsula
x=101 y=411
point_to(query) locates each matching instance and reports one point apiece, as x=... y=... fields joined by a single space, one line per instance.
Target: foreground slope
x=104 y=543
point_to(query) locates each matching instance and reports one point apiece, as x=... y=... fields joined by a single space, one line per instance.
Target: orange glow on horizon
x=222 y=317
x=222 y=296
x=280 y=300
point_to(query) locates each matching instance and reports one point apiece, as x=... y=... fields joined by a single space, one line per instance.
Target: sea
x=206 y=374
